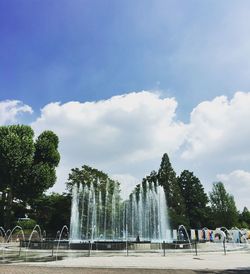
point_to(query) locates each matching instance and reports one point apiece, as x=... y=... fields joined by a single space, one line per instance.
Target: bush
x=26 y=224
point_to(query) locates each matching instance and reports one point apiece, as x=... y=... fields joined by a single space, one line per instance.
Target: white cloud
x=119 y=135
x=11 y=109
x=218 y=140
x=237 y=183
x=221 y=128
x=127 y=135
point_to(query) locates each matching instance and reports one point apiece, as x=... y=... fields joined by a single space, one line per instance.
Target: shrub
x=26 y=224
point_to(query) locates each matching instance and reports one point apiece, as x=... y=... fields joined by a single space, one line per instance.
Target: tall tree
x=223 y=208
x=95 y=188
x=87 y=175
x=27 y=168
x=244 y=218
x=52 y=212
x=195 y=199
x=167 y=178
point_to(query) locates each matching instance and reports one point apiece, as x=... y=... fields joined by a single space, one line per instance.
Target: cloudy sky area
x=123 y=82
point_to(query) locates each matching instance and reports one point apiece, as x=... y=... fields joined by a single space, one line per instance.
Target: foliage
x=93 y=184
x=223 y=208
x=244 y=218
x=87 y=175
x=52 y=212
x=167 y=178
x=195 y=199
x=27 y=168
x=26 y=224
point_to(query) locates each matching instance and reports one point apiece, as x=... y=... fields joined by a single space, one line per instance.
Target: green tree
x=105 y=190
x=52 y=212
x=153 y=177
x=223 y=208
x=195 y=199
x=27 y=168
x=167 y=178
x=87 y=175
x=244 y=218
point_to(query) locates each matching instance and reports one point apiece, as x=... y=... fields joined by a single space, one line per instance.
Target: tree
x=244 y=218
x=223 y=208
x=167 y=178
x=27 y=168
x=93 y=189
x=153 y=177
x=195 y=199
x=87 y=175
x=52 y=212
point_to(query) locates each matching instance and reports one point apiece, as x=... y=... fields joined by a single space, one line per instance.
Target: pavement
x=10 y=269
x=235 y=262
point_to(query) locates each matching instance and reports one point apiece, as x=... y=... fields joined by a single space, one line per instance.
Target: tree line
x=189 y=204
x=28 y=170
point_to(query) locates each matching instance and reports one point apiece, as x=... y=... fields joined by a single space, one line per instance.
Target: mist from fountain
x=75 y=217
x=98 y=216
x=147 y=215
x=97 y=213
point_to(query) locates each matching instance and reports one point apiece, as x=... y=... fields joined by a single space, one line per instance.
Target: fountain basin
x=123 y=245
x=64 y=244
x=98 y=245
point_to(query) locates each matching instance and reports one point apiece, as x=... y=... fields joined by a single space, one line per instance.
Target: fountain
x=238 y=235
x=60 y=237
x=12 y=231
x=8 y=232
x=95 y=214
x=183 y=237
x=146 y=214
x=3 y=233
x=34 y=230
x=99 y=215
x=6 y=246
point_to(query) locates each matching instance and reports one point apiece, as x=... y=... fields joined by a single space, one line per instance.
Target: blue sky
x=91 y=50
x=159 y=76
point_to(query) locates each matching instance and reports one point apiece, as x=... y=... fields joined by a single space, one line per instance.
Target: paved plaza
x=231 y=263
x=76 y=270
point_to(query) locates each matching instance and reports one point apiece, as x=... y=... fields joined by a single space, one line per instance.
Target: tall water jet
x=106 y=208
x=99 y=206
x=75 y=218
x=148 y=215
x=99 y=214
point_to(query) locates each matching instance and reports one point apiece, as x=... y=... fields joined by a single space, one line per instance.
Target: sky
x=122 y=82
